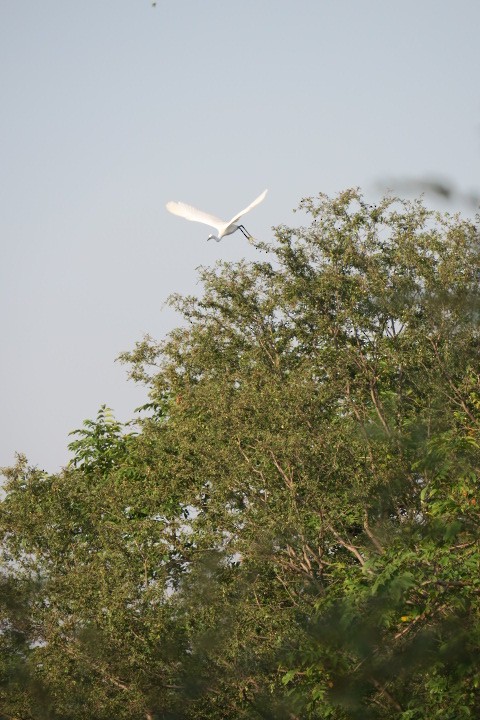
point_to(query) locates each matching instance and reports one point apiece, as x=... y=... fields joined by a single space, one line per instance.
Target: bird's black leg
x=244 y=231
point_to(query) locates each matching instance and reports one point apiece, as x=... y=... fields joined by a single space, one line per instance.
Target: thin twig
x=372 y=537
x=351 y=548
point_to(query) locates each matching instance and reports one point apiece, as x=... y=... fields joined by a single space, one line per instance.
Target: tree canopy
x=289 y=529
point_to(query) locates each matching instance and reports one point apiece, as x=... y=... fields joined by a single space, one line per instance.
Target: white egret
x=221 y=226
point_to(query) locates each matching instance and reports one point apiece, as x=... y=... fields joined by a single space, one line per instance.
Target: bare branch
x=351 y=548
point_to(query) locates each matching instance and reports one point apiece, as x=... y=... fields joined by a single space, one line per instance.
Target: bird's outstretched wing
x=190 y=213
x=253 y=204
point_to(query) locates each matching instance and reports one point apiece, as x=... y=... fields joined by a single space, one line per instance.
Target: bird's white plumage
x=221 y=226
x=190 y=213
x=253 y=204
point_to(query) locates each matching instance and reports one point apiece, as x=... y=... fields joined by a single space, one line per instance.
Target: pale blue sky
x=111 y=107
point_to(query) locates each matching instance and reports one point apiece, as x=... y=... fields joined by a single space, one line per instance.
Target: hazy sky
x=109 y=108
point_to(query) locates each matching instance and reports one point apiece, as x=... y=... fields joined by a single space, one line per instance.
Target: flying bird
x=221 y=226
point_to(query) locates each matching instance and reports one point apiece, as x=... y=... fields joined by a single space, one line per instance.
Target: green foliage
x=101 y=445
x=292 y=531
